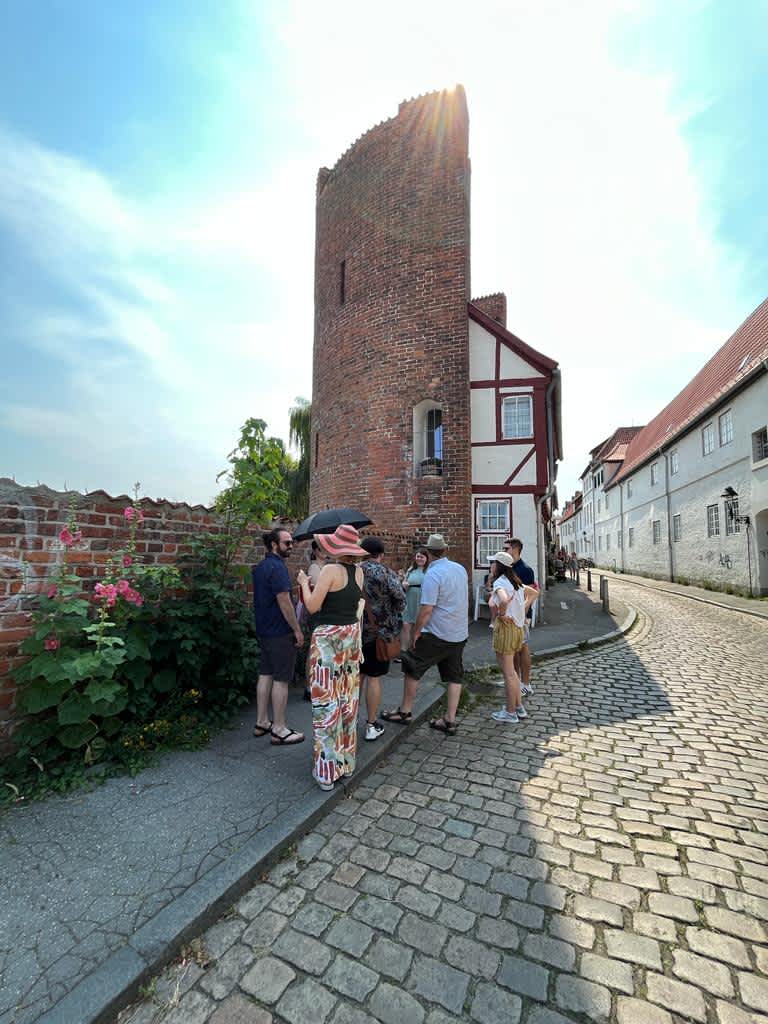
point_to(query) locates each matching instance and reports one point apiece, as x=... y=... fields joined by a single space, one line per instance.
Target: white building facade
x=515 y=436
x=689 y=499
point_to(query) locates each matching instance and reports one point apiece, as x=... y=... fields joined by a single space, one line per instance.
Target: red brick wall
x=395 y=209
x=30 y=552
x=494 y=306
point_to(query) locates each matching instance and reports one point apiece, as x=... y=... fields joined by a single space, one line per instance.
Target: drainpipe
x=552 y=426
x=621 y=523
x=669 y=515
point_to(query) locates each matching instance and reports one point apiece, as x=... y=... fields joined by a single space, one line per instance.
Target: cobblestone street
x=605 y=860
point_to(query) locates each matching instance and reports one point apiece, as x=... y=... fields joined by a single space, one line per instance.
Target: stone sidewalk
x=606 y=860
x=96 y=888
x=750 y=606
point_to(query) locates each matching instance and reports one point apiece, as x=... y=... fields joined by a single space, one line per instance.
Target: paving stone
x=438 y=983
x=264 y=930
x=598 y=910
x=525 y=914
x=637 y=949
x=673 y=906
x=194 y=1008
x=701 y=971
x=740 y=925
x=302 y=951
x=306 y=1002
x=654 y=927
x=348 y=873
x=394 y=1006
x=580 y=996
x=351 y=978
x=509 y=884
x=728 y=1013
x=313 y=919
x=571 y=929
x=427 y=936
x=498 y=933
x=368 y=857
x=456 y=917
x=471 y=956
x=471 y=870
x=390 y=958
x=221 y=936
x=676 y=996
x=641 y=878
x=638 y=1011
x=351 y=936
x=616 y=892
x=255 y=900
x=480 y=901
x=754 y=991
x=606 y=971
x=425 y=903
x=525 y=977
x=236 y=1009
x=444 y=885
x=383 y=886
x=340 y=897
x=491 y=1005
x=548 y=895
x=219 y=981
x=436 y=857
x=378 y=913
x=550 y=951
x=692 y=889
x=543 y=1015
x=408 y=870
x=348 y=1014
x=267 y=979
x=289 y=900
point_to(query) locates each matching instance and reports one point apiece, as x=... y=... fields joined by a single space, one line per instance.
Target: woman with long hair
x=334 y=654
x=510 y=600
x=413 y=577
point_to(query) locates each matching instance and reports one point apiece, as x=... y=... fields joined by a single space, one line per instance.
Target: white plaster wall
x=513 y=365
x=700 y=481
x=482 y=353
x=494 y=465
x=483 y=412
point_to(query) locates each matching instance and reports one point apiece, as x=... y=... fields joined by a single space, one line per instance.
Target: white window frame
x=708 y=438
x=656 y=531
x=677 y=528
x=516 y=400
x=631 y=537
x=732 y=525
x=674 y=462
x=725 y=428
x=760 y=444
x=713 y=520
x=654 y=473
x=491 y=530
x=629 y=488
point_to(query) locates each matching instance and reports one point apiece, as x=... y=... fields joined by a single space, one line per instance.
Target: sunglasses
x=286 y=543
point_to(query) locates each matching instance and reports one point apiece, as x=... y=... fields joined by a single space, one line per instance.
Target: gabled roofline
x=538 y=360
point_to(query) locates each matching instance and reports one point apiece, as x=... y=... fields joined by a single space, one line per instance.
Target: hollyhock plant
x=52 y=591
x=67 y=537
x=52 y=643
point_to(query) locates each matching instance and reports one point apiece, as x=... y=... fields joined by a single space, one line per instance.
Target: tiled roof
x=617 y=442
x=737 y=358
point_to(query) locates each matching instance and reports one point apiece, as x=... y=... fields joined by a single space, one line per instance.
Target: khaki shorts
x=507 y=637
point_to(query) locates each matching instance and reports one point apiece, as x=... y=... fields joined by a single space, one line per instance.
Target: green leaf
x=75 y=710
x=103 y=689
x=110 y=708
x=111 y=726
x=39 y=695
x=74 y=736
x=165 y=680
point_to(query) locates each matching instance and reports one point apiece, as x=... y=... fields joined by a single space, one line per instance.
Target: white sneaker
x=526 y=690
x=326 y=787
x=373 y=730
x=505 y=716
x=521 y=712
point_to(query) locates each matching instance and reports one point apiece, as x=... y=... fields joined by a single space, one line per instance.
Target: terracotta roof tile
x=743 y=351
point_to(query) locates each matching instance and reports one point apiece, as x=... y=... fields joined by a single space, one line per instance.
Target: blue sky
x=157 y=169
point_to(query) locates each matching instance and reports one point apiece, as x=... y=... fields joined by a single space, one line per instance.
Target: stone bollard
x=589 y=579
x=604 y=593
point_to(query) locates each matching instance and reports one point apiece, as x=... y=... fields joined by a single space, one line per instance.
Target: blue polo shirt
x=270 y=578
x=526 y=576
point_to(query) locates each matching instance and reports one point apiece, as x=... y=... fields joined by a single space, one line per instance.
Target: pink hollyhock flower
x=129 y=513
x=106 y=592
x=77 y=537
x=53 y=590
x=52 y=643
x=66 y=537
x=123 y=587
x=127 y=560
x=133 y=597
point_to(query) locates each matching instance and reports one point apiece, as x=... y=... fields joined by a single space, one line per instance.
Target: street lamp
x=731 y=499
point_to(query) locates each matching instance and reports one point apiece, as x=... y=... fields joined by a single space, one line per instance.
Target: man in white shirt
x=439 y=635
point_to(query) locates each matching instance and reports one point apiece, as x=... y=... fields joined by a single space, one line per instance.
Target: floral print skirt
x=334 y=678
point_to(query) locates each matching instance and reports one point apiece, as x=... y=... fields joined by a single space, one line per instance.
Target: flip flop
x=398 y=717
x=286 y=740
x=261 y=730
x=443 y=725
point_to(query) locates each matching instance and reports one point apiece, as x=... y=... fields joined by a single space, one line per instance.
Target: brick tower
x=391 y=330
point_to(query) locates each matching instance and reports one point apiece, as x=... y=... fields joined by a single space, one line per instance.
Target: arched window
x=428 y=439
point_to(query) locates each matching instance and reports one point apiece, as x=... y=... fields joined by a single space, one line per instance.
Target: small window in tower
x=343 y=282
x=317 y=448
x=428 y=439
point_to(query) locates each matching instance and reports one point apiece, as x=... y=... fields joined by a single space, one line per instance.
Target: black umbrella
x=327 y=521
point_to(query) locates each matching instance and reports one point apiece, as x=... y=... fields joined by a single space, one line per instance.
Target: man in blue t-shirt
x=527 y=576
x=279 y=635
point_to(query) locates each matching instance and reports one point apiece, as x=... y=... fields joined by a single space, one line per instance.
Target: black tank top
x=340 y=606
